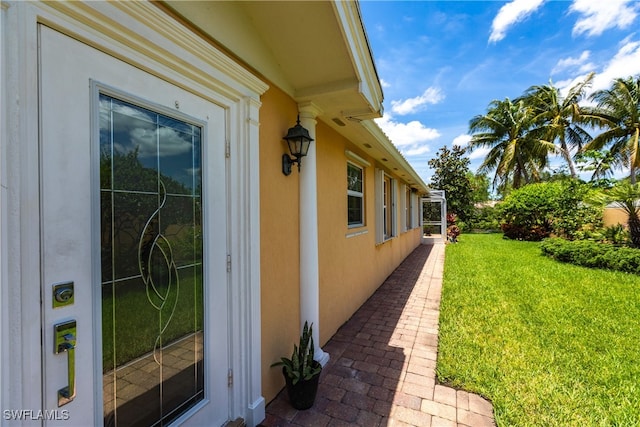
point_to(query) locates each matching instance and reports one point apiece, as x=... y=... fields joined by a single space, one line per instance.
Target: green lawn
x=130 y=329
x=549 y=344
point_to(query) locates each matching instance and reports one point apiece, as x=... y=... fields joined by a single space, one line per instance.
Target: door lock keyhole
x=62 y=294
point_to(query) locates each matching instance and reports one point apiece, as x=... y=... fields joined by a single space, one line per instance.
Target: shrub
x=527 y=212
x=592 y=254
x=453 y=231
x=616 y=234
x=484 y=218
x=536 y=211
x=572 y=214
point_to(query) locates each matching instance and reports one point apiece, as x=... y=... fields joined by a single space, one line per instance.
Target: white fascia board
x=348 y=13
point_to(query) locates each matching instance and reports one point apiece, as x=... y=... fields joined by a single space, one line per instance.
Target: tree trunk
x=569 y=160
x=634 y=227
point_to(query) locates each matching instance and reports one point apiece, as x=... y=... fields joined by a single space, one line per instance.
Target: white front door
x=134 y=243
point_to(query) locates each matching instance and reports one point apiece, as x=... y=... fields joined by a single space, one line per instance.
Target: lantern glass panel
x=305 y=146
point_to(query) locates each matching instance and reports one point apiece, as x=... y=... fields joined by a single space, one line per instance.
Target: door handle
x=65 y=342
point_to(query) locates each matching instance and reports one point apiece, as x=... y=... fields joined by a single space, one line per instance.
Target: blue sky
x=442 y=62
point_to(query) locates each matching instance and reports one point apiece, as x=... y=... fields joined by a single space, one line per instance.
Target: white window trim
x=406 y=208
x=393 y=209
x=415 y=207
x=379 y=185
x=357 y=159
x=353 y=193
x=381 y=237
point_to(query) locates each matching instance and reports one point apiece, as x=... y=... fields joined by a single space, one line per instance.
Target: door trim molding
x=156 y=43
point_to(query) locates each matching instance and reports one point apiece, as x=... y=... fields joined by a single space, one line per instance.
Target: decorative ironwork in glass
x=152 y=265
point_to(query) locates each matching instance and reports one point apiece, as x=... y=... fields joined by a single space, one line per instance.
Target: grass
x=550 y=344
x=132 y=332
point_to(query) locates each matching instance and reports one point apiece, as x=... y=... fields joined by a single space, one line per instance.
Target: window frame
x=386 y=206
x=359 y=194
x=408 y=208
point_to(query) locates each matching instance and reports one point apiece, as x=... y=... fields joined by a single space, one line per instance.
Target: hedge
x=536 y=211
x=592 y=254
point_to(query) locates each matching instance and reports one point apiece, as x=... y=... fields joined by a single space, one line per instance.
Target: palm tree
x=624 y=196
x=557 y=117
x=618 y=111
x=600 y=163
x=514 y=154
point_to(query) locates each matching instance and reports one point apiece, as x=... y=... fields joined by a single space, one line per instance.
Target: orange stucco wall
x=613 y=216
x=351 y=268
x=279 y=243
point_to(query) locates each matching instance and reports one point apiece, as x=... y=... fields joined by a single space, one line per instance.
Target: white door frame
x=180 y=57
x=435 y=196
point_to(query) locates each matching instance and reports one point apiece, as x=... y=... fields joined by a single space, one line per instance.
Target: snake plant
x=301 y=364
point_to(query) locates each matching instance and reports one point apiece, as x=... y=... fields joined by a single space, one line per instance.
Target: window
x=387 y=208
x=408 y=207
x=385 y=190
x=355 y=195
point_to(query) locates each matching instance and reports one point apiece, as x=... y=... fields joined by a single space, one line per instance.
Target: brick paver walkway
x=382 y=367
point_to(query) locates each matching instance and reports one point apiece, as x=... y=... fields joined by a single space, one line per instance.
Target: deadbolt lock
x=62 y=294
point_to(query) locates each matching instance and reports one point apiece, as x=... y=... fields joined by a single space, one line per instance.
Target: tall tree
x=618 y=112
x=451 y=174
x=557 y=117
x=479 y=187
x=514 y=154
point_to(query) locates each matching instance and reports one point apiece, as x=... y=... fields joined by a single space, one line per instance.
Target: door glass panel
x=152 y=274
x=431 y=217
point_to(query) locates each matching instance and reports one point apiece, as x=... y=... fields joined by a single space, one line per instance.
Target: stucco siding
x=613 y=216
x=279 y=240
x=352 y=266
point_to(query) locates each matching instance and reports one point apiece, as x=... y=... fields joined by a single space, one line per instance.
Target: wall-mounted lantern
x=298 y=140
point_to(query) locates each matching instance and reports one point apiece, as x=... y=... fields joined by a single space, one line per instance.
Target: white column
x=309 y=270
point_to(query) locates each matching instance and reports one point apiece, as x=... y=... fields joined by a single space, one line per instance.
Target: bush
x=453 y=231
x=592 y=254
x=527 y=211
x=485 y=218
x=537 y=211
x=616 y=234
x=533 y=233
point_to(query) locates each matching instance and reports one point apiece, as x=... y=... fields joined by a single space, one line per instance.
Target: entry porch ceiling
x=314 y=50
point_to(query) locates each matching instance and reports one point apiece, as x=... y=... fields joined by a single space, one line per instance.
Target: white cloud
x=411 y=138
x=462 y=140
x=600 y=15
x=479 y=153
x=406 y=134
x=510 y=14
x=564 y=85
x=417 y=150
x=173 y=142
x=384 y=83
x=625 y=63
x=580 y=63
x=431 y=95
